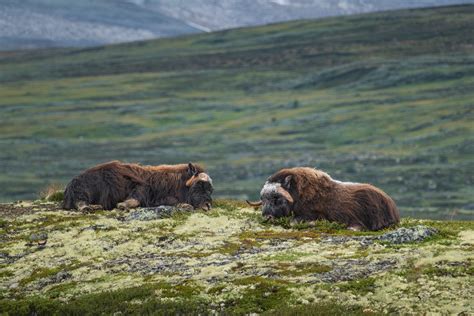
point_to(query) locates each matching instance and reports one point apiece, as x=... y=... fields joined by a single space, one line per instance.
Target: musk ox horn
x=285 y=194
x=254 y=204
x=190 y=181
x=200 y=177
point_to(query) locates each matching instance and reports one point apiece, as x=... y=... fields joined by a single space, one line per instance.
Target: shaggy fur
x=113 y=182
x=316 y=195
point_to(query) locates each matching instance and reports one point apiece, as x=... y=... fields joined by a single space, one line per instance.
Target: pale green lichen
x=228 y=260
x=467 y=237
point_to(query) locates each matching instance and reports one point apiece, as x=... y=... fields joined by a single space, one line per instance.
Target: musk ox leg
x=84 y=207
x=170 y=200
x=128 y=204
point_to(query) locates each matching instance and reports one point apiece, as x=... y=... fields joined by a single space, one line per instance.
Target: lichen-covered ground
x=224 y=261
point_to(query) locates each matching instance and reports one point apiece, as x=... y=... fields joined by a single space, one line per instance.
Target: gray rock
x=38 y=237
x=355 y=269
x=152 y=213
x=57 y=278
x=406 y=235
x=96 y=227
x=61 y=276
x=14 y=286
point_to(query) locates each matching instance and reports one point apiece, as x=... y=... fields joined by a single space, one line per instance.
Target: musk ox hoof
x=128 y=204
x=91 y=208
x=355 y=228
x=122 y=206
x=184 y=207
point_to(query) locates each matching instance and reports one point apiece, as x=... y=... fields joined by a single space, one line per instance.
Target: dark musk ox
x=311 y=194
x=124 y=185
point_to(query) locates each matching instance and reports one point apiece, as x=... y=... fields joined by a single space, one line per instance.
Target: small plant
x=52 y=193
x=362 y=286
x=229 y=205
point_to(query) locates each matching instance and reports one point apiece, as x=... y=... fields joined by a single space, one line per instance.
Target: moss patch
x=261 y=294
x=137 y=300
x=299 y=269
x=359 y=287
x=323 y=309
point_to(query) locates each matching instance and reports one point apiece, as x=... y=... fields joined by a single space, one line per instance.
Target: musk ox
x=123 y=185
x=311 y=194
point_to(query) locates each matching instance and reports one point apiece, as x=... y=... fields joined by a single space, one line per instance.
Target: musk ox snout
x=276 y=200
x=275 y=207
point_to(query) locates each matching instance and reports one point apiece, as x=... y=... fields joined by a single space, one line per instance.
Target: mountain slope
x=62 y=23
x=48 y=23
x=365 y=98
x=216 y=15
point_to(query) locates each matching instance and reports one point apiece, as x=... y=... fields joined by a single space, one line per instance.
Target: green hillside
x=384 y=98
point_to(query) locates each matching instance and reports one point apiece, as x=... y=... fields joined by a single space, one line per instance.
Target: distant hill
x=64 y=23
x=384 y=98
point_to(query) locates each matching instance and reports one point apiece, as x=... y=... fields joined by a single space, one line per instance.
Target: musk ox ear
x=192 y=171
x=287 y=182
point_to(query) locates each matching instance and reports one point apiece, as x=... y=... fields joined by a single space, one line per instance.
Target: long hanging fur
x=113 y=182
x=317 y=196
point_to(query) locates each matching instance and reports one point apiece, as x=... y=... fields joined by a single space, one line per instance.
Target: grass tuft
x=52 y=193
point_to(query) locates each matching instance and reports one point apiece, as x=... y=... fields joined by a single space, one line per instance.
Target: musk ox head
x=275 y=198
x=200 y=188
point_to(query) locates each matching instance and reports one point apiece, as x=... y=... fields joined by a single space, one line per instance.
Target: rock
x=61 y=276
x=14 y=286
x=5 y=258
x=152 y=213
x=57 y=278
x=355 y=269
x=96 y=227
x=406 y=235
x=38 y=237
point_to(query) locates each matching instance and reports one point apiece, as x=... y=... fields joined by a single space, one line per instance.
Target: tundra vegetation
x=227 y=260
x=383 y=98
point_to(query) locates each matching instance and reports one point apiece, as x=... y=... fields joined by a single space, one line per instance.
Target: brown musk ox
x=125 y=185
x=311 y=194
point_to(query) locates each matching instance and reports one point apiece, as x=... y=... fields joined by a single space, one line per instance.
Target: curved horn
x=200 y=177
x=254 y=204
x=285 y=194
x=190 y=181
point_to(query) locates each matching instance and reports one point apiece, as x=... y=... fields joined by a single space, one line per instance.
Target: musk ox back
x=310 y=194
x=124 y=185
